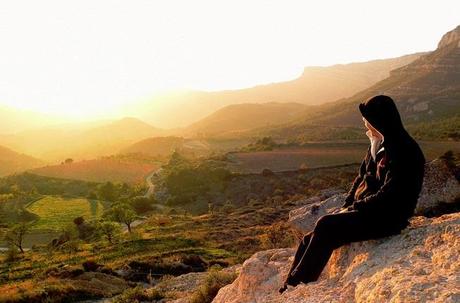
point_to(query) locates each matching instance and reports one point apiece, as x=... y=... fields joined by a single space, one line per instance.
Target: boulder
x=439 y=186
x=303 y=219
x=99 y=284
x=422 y=264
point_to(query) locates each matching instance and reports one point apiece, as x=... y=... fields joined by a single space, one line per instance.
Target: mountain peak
x=450 y=37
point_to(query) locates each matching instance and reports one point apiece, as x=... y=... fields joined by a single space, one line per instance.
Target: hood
x=381 y=112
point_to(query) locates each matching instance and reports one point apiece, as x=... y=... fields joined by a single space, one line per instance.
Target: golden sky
x=90 y=58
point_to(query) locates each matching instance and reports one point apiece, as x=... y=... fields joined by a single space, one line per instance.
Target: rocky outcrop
x=421 y=264
x=183 y=286
x=450 y=37
x=439 y=186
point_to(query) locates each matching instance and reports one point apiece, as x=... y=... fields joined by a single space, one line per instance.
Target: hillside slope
x=237 y=118
x=13 y=162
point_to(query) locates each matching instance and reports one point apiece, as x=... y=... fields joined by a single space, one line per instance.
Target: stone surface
x=439 y=185
x=421 y=264
x=303 y=219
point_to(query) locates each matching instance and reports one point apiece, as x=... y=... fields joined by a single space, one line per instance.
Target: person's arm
x=387 y=194
x=351 y=193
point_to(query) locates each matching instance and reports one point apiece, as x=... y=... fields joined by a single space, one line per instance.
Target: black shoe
x=283 y=289
x=292 y=280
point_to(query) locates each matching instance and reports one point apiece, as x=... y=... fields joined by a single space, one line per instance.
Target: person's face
x=371 y=130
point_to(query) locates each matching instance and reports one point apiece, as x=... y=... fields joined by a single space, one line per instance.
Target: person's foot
x=291 y=280
x=283 y=289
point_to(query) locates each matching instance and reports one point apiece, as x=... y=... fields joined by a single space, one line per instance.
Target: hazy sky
x=87 y=58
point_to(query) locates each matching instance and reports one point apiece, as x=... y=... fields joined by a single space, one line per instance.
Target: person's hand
x=344 y=210
x=349 y=199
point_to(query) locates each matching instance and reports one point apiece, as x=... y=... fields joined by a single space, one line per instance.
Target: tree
x=109 y=229
x=68 y=161
x=107 y=192
x=141 y=204
x=123 y=213
x=15 y=236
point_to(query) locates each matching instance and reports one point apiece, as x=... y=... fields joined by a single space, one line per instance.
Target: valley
x=174 y=199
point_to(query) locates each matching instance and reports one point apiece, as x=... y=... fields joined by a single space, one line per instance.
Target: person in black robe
x=382 y=197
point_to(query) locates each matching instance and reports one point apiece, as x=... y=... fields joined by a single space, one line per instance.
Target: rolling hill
x=237 y=118
x=161 y=147
x=13 y=162
x=316 y=85
x=80 y=142
x=157 y=146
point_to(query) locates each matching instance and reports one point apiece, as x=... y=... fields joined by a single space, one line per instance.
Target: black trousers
x=332 y=231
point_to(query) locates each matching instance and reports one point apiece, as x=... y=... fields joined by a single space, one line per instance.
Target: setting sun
x=91 y=59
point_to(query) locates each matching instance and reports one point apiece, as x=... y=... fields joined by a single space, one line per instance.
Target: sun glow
x=87 y=59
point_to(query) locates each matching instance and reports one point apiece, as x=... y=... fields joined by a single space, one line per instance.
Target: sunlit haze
x=89 y=59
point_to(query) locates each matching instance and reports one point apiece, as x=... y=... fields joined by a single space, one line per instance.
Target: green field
x=56 y=212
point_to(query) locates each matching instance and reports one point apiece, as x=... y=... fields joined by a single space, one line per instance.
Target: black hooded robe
x=388 y=190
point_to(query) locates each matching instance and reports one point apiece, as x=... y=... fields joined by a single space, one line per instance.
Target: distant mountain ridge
x=316 y=85
x=56 y=144
x=426 y=91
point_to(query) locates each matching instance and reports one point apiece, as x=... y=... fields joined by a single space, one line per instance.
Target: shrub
x=278 y=235
x=228 y=207
x=109 y=230
x=163 y=220
x=214 y=281
x=138 y=294
x=71 y=246
x=141 y=204
x=12 y=254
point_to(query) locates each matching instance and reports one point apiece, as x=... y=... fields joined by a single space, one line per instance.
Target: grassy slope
x=56 y=212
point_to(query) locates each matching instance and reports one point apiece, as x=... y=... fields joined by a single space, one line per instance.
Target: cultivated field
x=112 y=169
x=318 y=155
x=56 y=212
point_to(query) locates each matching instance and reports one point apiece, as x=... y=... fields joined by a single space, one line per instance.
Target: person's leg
x=298 y=255
x=330 y=232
